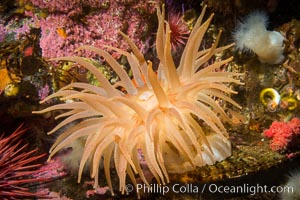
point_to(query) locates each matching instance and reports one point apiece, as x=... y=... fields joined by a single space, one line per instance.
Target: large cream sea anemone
x=161 y=116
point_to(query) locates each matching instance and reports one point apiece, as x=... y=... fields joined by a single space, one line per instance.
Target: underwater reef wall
x=263 y=141
x=66 y=25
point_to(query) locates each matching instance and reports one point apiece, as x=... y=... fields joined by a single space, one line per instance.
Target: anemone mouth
x=158 y=116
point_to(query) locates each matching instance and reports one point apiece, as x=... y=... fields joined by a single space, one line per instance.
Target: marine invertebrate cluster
x=159 y=116
x=283 y=134
x=251 y=34
x=70 y=24
x=17 y=171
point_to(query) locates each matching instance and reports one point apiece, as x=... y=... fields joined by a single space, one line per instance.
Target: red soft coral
x=275 y=128
x=295 y=125
x=283 y=134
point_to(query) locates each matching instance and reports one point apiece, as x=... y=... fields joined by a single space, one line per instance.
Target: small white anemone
x=251 y=34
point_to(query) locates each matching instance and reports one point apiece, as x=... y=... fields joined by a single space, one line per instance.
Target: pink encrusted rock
x=53 y=168
x=63 y=6
x=44 y=92
x=64 y=30
x=100 y=190
x=2 y=32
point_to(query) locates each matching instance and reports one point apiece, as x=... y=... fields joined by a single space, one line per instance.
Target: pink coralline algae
x=53 y=169
x=17 y=29
x=44 y=92
x=283 y=134
x=65 y=6
x=100 y=190
x=96 y=24
x=2 y=32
